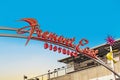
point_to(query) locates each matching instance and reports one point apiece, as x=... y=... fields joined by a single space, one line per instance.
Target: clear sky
x=90 y=19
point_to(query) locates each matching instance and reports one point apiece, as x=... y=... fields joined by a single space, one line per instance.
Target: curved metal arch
x=71 y=48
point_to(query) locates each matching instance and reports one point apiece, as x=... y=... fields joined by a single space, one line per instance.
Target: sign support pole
x=112 y=64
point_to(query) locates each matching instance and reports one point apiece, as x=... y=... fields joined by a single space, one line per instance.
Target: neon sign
x=54 y=38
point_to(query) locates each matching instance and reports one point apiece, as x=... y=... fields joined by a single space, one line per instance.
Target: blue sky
x=90 y=19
